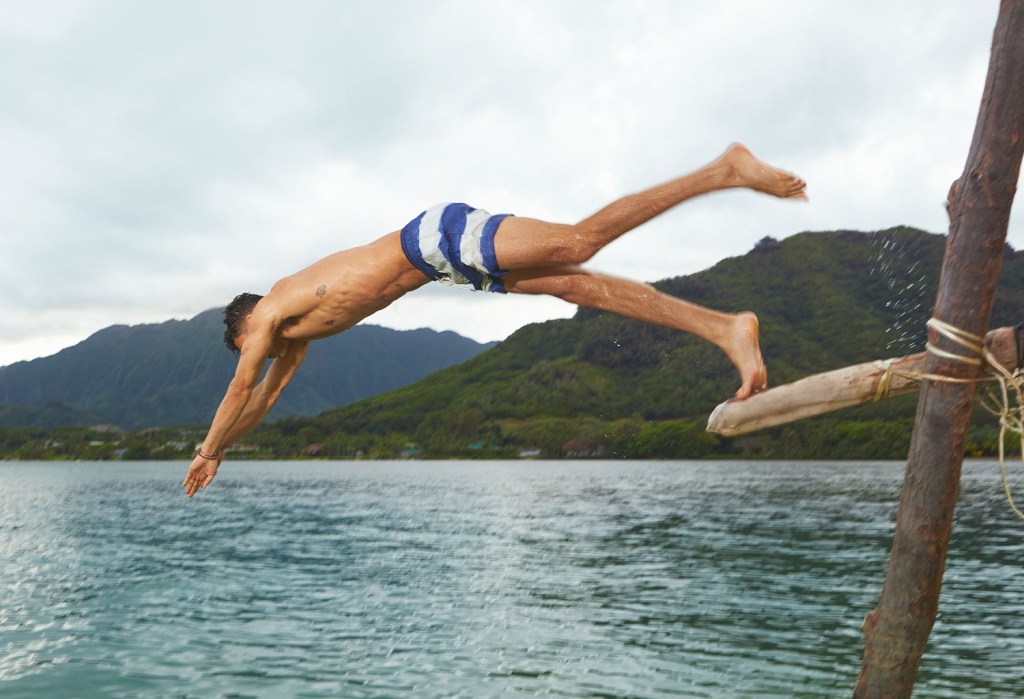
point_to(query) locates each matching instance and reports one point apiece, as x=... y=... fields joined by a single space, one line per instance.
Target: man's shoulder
x=284 y=300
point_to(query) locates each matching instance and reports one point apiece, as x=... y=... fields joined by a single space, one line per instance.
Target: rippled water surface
x=482 y=579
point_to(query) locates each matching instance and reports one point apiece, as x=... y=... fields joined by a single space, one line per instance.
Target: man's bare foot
x=744 y=349
x=745 y=170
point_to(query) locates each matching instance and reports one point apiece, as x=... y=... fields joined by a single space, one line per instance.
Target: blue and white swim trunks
x=454 y=244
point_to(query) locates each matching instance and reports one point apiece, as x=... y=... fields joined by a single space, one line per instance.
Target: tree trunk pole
x=979 y=209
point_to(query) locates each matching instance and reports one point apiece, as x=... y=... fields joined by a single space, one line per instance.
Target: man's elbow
x=264 y=396
x=271 y=397
x=239 y=390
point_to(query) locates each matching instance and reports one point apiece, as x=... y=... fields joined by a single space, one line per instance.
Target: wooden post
x=822 y=393
x=979 y=210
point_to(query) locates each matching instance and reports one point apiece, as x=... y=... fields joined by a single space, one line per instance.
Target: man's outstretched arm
x=250 y=365
x=262 y=400
x=265 y=395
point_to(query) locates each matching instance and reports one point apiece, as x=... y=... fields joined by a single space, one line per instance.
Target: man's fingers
x=197 y=478
x=193 y=484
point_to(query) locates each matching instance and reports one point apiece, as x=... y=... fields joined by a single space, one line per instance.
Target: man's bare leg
x=736 y=334
x=525 y=243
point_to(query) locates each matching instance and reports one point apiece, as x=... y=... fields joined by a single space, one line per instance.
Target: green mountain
x=175 y=373
x=599 y=384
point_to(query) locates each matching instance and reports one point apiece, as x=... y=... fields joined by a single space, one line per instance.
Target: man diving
x=457 y=244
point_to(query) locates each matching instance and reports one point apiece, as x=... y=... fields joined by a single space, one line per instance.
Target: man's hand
x=200 y=474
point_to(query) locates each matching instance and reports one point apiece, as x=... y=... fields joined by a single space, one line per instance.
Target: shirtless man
x=454 y=243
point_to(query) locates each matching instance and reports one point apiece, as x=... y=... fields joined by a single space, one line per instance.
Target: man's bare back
x=338 y=291
x=515 y=255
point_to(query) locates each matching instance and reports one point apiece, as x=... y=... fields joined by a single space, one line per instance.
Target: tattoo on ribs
x=321 y=290
x=330 y=322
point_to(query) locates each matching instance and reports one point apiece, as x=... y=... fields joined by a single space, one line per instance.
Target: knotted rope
x=1007 y=405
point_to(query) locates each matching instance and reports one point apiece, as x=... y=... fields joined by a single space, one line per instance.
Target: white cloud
x=159 y=158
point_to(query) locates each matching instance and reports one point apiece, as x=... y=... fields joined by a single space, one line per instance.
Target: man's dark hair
x=234 y=317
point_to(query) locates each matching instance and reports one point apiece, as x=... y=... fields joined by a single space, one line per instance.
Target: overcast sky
x=158 y=158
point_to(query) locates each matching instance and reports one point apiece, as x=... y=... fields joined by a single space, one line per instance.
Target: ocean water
x=443 y=579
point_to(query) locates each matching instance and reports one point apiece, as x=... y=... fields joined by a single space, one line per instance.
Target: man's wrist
x=209 y=456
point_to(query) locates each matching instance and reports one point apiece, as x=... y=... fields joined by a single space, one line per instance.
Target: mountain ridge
x=175 y=372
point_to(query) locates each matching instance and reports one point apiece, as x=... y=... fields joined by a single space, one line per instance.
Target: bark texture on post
x=979 y=209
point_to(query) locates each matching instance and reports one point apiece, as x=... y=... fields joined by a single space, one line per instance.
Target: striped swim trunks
x=454 y=244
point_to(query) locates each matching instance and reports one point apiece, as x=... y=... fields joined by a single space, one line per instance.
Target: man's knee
x=561 y=243
x=560 y=286
x=576 y=288
x=522 y=243
x=572 y=246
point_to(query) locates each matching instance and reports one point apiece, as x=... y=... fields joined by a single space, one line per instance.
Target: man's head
x=234 y=317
